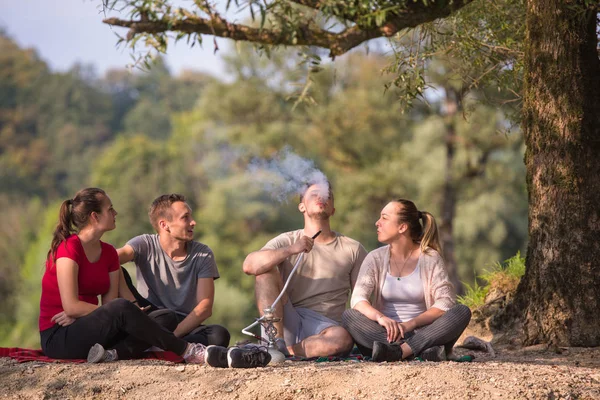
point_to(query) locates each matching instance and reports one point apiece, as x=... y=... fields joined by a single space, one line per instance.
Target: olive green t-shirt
x=326 y=274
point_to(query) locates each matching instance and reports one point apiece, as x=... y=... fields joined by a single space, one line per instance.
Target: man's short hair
x=161 y=207
x=309 y=184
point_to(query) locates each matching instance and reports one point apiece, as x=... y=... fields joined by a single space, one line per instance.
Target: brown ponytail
x=63 y=229
x=426 y=234
x=74 y=214
x=431 y=236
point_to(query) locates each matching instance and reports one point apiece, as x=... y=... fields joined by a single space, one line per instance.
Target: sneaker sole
x=229 y=359
x=95 y=354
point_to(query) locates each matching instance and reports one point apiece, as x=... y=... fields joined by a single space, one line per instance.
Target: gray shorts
x=300 y=323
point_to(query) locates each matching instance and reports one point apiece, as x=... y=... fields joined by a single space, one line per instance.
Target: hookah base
x=277 y=357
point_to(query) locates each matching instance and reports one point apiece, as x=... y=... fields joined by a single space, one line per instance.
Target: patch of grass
x=512 y=268
x=474 y=295
x=503 y=276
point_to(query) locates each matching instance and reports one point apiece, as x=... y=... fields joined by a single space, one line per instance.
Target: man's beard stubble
x=319 y=216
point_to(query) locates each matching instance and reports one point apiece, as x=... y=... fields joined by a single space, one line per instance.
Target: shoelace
x=250 y=358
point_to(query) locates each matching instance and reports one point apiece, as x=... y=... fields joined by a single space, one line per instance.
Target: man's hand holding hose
x=304 y=244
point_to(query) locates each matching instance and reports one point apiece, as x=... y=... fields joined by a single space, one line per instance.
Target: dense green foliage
x=144 y=134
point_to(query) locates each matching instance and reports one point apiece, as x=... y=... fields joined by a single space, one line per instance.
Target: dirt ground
x=530 y=373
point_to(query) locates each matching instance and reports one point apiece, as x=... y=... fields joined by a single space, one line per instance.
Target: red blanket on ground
x=24 y=355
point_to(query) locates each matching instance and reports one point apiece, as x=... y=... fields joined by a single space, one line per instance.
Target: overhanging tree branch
x=411 y=14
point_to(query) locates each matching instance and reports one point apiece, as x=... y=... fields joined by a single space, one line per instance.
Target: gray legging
x=444 y=331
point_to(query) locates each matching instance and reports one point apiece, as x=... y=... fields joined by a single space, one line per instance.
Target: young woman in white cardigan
x=403 y=303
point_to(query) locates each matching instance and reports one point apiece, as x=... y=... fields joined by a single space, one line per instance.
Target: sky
x=65 y=32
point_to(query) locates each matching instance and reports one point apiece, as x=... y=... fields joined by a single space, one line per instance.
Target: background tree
x=216 y=129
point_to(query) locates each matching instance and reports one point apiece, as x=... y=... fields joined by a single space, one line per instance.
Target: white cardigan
x=438 y=290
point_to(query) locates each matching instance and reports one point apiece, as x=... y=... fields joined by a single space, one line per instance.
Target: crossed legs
x=330 y=341
x=444 y=331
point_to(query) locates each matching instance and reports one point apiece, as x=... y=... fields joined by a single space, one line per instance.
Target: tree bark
x=558 y=299
x=453 y=103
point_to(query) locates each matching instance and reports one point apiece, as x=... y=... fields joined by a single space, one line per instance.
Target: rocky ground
x=504 y=371
x=529 y=373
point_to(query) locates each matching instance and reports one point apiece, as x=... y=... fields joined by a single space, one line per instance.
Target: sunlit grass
x=474 y=295
x=503 y=276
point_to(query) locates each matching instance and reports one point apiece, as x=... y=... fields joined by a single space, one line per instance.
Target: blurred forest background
x=141 y=134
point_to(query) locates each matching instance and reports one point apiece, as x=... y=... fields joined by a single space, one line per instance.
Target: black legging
x=444 y=331
x=205 y=334
x=118 y=325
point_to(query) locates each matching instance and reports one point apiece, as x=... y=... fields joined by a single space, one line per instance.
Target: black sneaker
x=386 y=352
x=249 y=357
x=98 y=354
x=436 y=354
x=216 y=356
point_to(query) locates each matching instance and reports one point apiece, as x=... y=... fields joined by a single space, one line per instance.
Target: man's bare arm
x=126 y=254
x=205 y=293
x=263 y=261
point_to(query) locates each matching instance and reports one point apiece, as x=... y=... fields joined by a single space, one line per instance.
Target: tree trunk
x=453 y=104
x=558 y=299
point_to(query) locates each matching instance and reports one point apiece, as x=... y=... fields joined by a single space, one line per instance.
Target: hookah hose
x=291 y=274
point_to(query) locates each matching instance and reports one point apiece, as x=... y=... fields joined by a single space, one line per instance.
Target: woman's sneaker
x=216 y=356
x=195 y=353
x=248 y=357
x=98 y=354
x=436 y=354
x=386 y=352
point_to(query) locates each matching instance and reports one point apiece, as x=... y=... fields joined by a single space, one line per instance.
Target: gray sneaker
x=98 y=354
x=216 y=356
x=248 y=357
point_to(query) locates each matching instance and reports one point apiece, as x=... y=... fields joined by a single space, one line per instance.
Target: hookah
x=269 y=318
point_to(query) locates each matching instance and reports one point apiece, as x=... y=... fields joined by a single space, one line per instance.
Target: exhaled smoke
x=287 y=174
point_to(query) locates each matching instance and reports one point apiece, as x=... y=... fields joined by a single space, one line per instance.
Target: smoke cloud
x=287 y=174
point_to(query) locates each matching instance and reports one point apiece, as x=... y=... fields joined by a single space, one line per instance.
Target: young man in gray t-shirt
x=312 y=307
x=174 y=272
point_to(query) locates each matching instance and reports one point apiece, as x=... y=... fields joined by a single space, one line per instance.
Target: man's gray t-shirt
x=167 y=283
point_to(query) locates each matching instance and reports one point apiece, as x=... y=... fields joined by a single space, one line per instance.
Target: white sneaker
x=195 y=353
